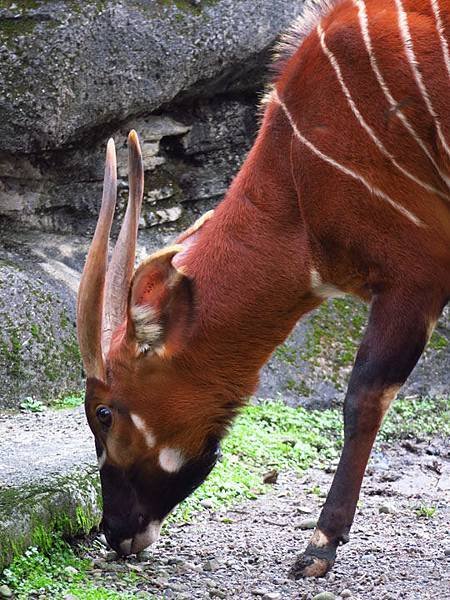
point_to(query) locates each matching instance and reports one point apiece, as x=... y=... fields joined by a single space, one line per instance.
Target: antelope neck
x=249 y=270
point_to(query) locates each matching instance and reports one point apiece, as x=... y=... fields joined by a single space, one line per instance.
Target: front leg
x=398 y=329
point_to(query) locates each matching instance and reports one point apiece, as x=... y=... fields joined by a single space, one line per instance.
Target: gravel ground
x=395 y=552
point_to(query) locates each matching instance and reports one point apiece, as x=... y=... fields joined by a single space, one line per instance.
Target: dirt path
x=396 y=551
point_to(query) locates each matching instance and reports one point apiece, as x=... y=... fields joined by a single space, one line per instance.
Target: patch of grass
x=30 y=404
x=266 y=435
x=53 y=573
x=417 y=417
x=426 y=511
x=69 y=401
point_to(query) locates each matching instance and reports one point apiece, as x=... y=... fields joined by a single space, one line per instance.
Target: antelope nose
x=146 y=538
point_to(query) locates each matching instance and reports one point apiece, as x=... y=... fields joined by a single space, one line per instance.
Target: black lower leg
x=394 y=340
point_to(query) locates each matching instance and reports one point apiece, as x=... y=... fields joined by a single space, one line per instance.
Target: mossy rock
x=313 y=366
x=30 y=514
x=39 y=355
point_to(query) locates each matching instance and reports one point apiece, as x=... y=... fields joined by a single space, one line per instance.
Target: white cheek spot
x=322 y=289
x=171 y=459
x=140 y=425
x=101 y=460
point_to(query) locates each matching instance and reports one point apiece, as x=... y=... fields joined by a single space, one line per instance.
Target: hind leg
x=398 y=329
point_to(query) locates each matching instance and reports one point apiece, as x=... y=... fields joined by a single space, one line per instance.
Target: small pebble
x=306 y=524
x=387 y=509
x=70 y=571
x=324 y=596
x=211 y=565
x=144 y=555
x=5 y=592
x=111 y=555
x=270 y=477
x=272 y=596
x=346 y=593
x=447 y=552
x=206 y=504
x=260 y=592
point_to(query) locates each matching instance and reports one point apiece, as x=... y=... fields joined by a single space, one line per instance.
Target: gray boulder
x=39 y=357
x=74 y=73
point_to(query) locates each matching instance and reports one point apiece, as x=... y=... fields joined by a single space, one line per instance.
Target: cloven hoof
x=310 y=566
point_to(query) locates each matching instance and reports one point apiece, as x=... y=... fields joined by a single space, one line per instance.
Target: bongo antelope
x=346 y=190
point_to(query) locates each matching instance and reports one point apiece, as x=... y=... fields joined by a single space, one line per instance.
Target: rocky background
x=186 y=74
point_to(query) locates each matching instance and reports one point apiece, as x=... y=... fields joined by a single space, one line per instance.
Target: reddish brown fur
x=289 y=212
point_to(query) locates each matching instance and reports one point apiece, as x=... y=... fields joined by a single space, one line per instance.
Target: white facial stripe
x=441 y=32
x=171 y=459
x=140 y=425
x=364 y=24
x=350 y=101
x=372 y=189
x=101 y=460
x=410 y=54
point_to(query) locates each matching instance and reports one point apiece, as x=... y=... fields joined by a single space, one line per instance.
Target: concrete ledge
x=48 y=479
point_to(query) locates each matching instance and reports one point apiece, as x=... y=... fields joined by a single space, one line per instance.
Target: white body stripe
x=372 y=189
x=364 y=24
x=379 y=144
x=409 y=50
x=441 y=32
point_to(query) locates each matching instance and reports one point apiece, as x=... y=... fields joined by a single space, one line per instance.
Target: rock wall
x=185 y=74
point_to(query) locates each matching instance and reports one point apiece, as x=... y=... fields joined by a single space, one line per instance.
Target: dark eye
x=104 y=415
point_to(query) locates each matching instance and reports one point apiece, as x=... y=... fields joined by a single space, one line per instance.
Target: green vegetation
x=427 y=512
x=30 y=404
x=55 y=572
x=416 y=417
x=68 y=401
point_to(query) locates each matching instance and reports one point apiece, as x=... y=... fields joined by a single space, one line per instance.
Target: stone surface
x=70 y=78
x=66 y=71
x=39 y=357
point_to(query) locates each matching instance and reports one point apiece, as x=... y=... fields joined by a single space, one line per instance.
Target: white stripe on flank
x=441 y=32
x=372 y=189
x=364 y=24
x=379 y=144
x=409 y=50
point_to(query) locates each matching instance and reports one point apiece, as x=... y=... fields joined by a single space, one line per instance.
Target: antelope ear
x=160 y=305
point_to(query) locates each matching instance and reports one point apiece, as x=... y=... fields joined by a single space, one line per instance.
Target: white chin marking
x=148 y=537
x=171 y=459
x=101 y=460
x=140 y=425
x=125 y=546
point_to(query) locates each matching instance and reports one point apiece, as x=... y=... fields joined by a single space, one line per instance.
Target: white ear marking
x=140 y=425
x=171 y=459
x=147 y=330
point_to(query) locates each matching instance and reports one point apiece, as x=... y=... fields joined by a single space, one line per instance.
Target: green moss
x=438 y=341
x=31 y=514
x=186 y=6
